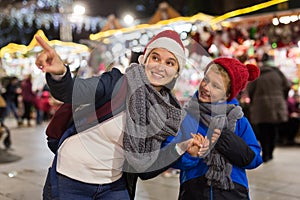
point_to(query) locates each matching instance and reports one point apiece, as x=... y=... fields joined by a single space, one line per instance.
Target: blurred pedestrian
x=42 y=106
x=10 y=96
x=268 y=105
x=290 y=129
x=28 y=98
x=4 y=130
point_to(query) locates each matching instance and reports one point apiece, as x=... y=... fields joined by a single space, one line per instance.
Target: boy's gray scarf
x=223 y=117
x=151 y=117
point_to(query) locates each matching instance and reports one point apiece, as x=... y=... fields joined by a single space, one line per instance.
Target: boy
x=220 y=174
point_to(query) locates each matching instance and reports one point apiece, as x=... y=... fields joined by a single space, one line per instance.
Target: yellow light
x=79 y=9
x=293 y=18
x=128 y=19
x=245 y=10
x=22 y=49
x=275 y=21
x=284 y=19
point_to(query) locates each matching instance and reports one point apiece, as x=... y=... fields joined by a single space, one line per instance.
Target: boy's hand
x=204 y=150
x=203 y=143
x=197 y=143
x=193 y=150
x=49 y=61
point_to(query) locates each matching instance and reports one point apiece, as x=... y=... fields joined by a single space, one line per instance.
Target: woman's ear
x=141 y=59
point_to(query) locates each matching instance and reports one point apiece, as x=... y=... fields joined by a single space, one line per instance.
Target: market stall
x=164 y=12
x=274 y=33
x=19 y=60
x=204 y=37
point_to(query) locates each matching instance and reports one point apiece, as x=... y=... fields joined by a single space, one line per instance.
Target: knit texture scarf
x=216 y=116
x=151 y=117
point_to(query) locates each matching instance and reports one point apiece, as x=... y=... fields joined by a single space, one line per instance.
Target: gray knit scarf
x=151 y=117
x=221 y=116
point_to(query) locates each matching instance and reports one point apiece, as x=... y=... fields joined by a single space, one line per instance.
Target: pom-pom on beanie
x=238 y=72
x=169 y=40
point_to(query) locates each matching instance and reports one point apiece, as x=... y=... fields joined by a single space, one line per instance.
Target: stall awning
x=23 y=49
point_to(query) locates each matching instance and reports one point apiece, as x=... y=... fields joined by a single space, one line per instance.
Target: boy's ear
x=177 y=74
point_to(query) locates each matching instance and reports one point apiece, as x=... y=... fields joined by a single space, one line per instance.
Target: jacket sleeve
x=83 y=91
x=169 y=156
x=285 y=83
x=62 y=89
x=234 y=149
x=166 y=158
x=241 y=150
x=188 y=126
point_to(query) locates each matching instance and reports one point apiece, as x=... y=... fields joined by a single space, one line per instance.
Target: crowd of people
x=26 y=106
x=20 y=103
x=272 y=105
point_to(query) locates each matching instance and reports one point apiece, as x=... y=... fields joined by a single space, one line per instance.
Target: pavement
x=23 y=179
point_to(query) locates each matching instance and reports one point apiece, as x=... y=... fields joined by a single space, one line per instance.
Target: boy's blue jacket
x=193 y=167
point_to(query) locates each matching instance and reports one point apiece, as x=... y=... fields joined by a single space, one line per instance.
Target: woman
x=117 y=117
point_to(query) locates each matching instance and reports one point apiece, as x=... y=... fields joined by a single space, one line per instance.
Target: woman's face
x=213 y=87
x=161 y=67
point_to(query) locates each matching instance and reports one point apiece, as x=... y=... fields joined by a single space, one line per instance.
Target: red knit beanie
x=238 y=72
x=169 y=40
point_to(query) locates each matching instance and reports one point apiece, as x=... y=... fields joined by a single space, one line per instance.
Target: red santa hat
x=238 y=72
x=169 y=40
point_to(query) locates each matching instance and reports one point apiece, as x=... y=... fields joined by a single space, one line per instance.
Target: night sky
x=106 y=7
x=140 y=9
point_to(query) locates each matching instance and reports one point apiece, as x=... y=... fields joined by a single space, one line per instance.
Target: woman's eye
x=155 y=57
x=171 y=64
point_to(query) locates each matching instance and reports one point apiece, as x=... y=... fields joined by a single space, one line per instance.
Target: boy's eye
x=216 y=86
x=205 y=79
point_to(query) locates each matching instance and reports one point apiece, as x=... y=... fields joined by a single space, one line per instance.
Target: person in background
x=94 y=148
x=221 y=173
x=291 y=127
x=10 y=96
x=5 y=137
x=268 y=105
x=42 y=106
x=28 y=97
x=4 y=130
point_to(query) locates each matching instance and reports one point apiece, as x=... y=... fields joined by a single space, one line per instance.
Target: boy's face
x=213 y=87
x=161 y=67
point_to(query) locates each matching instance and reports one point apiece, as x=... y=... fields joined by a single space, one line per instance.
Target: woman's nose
x=161 y=66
